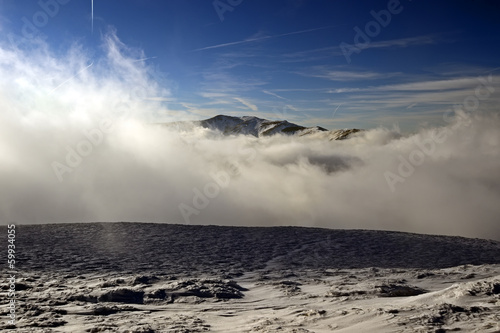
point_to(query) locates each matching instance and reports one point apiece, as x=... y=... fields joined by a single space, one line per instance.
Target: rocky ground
x=133 y=277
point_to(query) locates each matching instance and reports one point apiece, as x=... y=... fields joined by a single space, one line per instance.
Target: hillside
x=139 y=277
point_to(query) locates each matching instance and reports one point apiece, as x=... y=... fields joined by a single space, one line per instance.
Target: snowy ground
x=131 y=277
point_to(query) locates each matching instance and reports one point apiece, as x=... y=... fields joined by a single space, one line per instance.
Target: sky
x=84 y=87
x=336 y=64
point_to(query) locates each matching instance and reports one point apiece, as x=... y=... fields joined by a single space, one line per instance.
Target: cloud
x=218 y=82
x=87 y=152
x=260 y=38
x=249 y=105
x=436 y=85
x=403 y=42
x=270 y=93
x=335 y=50
x=213 y=94
x=342 y=75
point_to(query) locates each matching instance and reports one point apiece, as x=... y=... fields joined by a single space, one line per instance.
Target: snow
x=138 y=277
x=258 y=127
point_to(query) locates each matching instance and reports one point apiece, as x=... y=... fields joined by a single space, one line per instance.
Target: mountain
x=249 y=125
x=258 y=127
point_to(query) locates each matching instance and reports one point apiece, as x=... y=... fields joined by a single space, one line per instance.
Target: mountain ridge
x=259 y=127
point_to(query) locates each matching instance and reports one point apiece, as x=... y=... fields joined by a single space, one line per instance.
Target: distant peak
x=255 y=126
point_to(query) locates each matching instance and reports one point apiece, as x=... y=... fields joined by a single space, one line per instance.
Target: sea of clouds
x=78 y=143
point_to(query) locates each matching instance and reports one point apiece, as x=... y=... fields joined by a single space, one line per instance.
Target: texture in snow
x=132 y=277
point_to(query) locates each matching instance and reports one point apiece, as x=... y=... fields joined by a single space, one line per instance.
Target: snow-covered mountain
x=258 y=127
x=249 y=125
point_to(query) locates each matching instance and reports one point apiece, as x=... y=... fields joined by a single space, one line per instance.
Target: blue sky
x=284 y=59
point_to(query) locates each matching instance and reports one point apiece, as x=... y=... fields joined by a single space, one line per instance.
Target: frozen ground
x=132 y=277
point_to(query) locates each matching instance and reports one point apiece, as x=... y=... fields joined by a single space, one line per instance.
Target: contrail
x=144 y=59
x=92 y=14
x=263 y=38
x=273 y=94
x=334 y=112
x=493 y=70
x=71 y=77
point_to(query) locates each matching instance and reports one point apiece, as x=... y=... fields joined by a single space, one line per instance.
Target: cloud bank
x=77 y=144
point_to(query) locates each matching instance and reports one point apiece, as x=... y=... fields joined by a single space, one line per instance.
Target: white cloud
x=335 y=50
x=213 y=94
x=404 y=42
x=273 y=94
x=139 y=172
x=342 y=75
x=249 y=105
x=436 y=85
x=258 y=37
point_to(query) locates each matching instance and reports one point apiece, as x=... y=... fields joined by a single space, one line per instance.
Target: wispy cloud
x=434 y=85
x=213 y=94
x=413 y=101
x=273 y=94
x=144 y=59
x=220 y=82
x=249 y=105
x=160 y=99
x=343 y=90
x=404 y=42
x=92 y=14
x=256 y=39
x=341 y=75
x=335 y=50
x=71 y=78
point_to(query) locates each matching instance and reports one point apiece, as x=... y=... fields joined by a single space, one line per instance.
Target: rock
x=145 y=279
x=22 y=286
x=104 y=310
x=47 y=320
x=394 y=290
x=235 y=285
x=157 y=293
x=83 y=298
x=488 y=288
x=139 y=329
x=123 y=295
x=200 y=288
x=425 y=275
